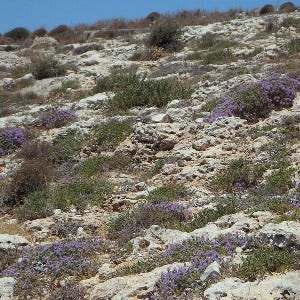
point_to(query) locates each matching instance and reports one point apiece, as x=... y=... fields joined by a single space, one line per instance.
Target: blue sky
x=33 y=14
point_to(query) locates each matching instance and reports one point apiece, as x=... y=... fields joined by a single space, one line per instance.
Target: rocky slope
x=162 y=203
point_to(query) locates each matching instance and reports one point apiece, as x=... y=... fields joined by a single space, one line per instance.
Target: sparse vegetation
x=265 y=261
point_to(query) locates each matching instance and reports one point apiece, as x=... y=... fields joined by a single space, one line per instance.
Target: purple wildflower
x=56 y=118
x=11 y=139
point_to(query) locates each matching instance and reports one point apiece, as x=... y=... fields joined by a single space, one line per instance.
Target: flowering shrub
x=167 y=214
x=11 y=139
x=38 y=267
x=180 y=282
x=56 y=118
x=257 y=100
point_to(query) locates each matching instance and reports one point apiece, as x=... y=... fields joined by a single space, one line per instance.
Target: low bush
x=39 y=267
x=67 y=147
x=257 y=100
x=100 y=164
x=47 y=68
x=166 y=36
x=210 y=40
x=168 y=193
x=18 y=33
x=265 y=261
x=81 y=194
x=55 y=118
x=108 y=136
x=279 y=182
x=238 y=176
x=221 y=56
x=166 y=214
x=11 y=139
x=149 y=54
x=290 y=22
x=19 y=72
x=117 y=81
x=183 y=282
x=149 y=93
x=78 y=194
x=31 y=176
x=294 y=46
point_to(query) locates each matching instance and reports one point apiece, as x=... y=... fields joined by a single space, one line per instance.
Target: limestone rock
x=284 y=234
x=8 y=241
x=7 y=288
x=282 y=286
x=137 y=286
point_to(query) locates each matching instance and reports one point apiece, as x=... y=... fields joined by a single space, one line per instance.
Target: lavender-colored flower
x=176 y=209
x=11 y=139
x=178 y=282
x=56 y=118
x=257 y=100
x=49 y=262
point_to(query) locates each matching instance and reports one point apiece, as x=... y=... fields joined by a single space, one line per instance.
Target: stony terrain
x=152 y=202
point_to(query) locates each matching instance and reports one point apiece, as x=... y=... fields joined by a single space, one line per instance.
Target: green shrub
x=209 y=40
x=100 y=164
x=224 y=207
x=47 y=68
x=265 y=261
x=218 y=57
x=36 y=205
x=291 y=22
x=149 y=93
x=279 y=181
x=19 y=72
x=18 y=33
x=66 y=147
x=166 y=36
x=168 y=193
x=239 y=175
x=277 y=154
x=117 y=81
x=294 y=46
x=78 y=194
x=108 y=136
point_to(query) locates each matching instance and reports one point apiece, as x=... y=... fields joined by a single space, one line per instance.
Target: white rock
x=283 y=234
x=212 y=270
x=7 y=288
x=137 y=286
x=8 y=241
x=273 y=287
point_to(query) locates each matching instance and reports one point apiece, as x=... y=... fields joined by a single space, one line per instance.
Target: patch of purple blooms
x=257 y=100
x=11 y=139
x=180 y=282
x=177 y=210
x=38 y=267
x=56 y=118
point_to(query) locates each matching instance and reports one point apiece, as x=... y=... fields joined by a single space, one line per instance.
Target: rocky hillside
x=160 y=162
